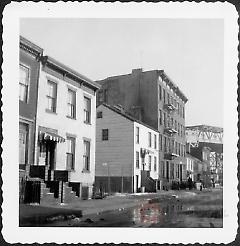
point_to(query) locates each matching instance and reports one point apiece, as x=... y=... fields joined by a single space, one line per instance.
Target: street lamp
x=106 y=164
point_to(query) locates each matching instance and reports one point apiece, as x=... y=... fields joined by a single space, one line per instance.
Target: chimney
x=137 y=71
x=119 y=107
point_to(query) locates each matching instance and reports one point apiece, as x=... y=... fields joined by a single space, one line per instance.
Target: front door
x=47 y=157
x=181 y=171
x=50 y=154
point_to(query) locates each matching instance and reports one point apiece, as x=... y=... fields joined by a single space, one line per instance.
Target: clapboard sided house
x=126 y=152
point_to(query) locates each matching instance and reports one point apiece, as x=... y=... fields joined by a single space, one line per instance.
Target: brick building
x=153 y=98
x=29 y=65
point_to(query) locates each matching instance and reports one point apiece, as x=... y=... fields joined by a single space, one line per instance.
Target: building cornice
x=30 y=47
x=66 y=71
x=172 y=85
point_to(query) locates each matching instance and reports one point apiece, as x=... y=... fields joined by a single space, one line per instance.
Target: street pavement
x=162 y=209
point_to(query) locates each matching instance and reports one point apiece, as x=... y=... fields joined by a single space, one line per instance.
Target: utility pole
x=109 y=191
x=122 y=177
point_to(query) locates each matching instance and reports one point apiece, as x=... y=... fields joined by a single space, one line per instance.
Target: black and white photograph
x=124 y=119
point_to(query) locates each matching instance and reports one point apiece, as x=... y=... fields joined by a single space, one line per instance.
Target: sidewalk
x=30 y=215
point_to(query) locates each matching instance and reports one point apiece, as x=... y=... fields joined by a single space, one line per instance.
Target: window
x=86 y=156
x=163 y=168
x=175 y=125
x=160 y=92
x=183 y=112
x=165 y=119
x=52 y=96
x=105 y=95
x=178 y=129
x=180 y=110
x=165 y=144
x=172 y=146
x=23 y=143
x=104 y=134
x=87 y=110
x=23 y=83
x=70 y=153
x=160 y=141
x=155 y=141
x=160 y=117
x=172 y=170
x=137 y=135
x=99 y=114
x=71 y=103
x=150 y=162
x=100 y=97
x=164 y=96
x=167 y=170
x=168 y=98
x=155 y=163
x=149 y=139
x=172 y=124
x=137 y=159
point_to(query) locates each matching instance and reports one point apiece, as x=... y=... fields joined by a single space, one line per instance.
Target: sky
x=190 y=51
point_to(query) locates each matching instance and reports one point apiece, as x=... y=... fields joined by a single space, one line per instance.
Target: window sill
x=71 y=170
x=70 y=117
x=49 y=111
x=26 y=102
x=85 y=171
x=87 y=123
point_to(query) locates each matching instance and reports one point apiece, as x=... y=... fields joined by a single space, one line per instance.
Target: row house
x=153 y=98
x=198 y=165
x=29 y=66
x=127 y=152
x=63 y=149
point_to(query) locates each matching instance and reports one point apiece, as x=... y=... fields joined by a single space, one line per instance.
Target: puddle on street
x=155 y=213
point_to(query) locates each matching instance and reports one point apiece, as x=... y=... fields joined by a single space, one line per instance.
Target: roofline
x=65 y=69
x=30 y=47
x=129 y=117
x=172 y=85
x=163 y=75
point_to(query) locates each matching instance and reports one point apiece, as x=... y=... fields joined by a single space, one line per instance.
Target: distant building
x=127 y=152
x=29 y=65
x=200 y=137
x=154 y=99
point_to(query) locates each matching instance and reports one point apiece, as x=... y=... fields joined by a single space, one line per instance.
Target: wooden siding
x=117 y=151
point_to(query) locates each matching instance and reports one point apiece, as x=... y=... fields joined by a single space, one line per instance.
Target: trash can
x=198 y=184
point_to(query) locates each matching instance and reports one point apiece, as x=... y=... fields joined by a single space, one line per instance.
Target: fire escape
x=169 y=131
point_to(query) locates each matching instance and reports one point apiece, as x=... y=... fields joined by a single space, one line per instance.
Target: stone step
x=49 y=199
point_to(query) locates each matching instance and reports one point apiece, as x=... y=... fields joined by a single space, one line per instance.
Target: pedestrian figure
x=190 y=183
x=201 y=185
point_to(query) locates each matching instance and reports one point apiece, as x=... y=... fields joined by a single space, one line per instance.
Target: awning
x=43 y=135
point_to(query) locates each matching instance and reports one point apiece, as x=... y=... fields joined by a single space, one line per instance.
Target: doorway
x=47 y=149
x=137 y=177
